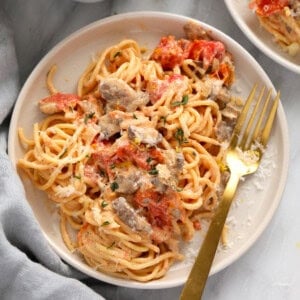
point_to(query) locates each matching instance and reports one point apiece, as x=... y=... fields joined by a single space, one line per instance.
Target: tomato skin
x=156 y=155
x=169 y=53
x=101 y=159
x=103 y=162
x=268 y=7
x=132 y=153
x=160 y=209
x=62 y=101
x=156 y=89
x=157 y=207
x=206 y=51
x=158 y=214
x=224 y=73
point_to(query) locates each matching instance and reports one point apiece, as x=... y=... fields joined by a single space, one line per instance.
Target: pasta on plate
x=281 y=18
x=133 y=159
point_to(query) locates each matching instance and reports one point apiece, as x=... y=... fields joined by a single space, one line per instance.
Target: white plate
x=249 y=24
x=253 y=208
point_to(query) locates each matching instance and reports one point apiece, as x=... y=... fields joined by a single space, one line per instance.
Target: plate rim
x=280 y=115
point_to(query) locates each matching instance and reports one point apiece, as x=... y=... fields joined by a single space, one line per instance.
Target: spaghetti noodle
x=133 y=158
x=281 y=18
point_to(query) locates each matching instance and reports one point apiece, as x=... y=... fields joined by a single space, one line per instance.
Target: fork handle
x=195 y=284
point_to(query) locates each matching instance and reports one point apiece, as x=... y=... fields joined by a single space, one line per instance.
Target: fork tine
x=241 y=119
x=247 y=131
x=262 y=135
x=269 y=123
x=256 y=131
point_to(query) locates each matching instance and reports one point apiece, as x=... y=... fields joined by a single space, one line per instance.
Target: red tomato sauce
x=171 y=52
x=268 y=7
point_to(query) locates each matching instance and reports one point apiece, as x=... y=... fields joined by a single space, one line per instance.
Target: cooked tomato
x=224 y=73
x=156 y=155
x=62 y=101
x=140 y=156
x=158 y=214
x=268 y=7
x=103 y=162
x=102 y=158
x=169 y=52
x=157 y=207
x=142 y=198
x=132 y=153
x=156 y=89
x=160 y=207
x=206 y=51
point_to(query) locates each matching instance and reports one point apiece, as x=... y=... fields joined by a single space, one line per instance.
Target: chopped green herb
x=88 y=116
x=112 y=166
x=184 y=101
x=104 y=204
x=164 y=119
x=153 y=171
x=179 y=136
x=77 y=176
x=105 y=223
x=114 y=186
x=134 y=116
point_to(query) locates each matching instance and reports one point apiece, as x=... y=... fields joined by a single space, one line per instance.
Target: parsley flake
x=153 y=171
x=164 y=119
x=105 y=223
x=114 y=186
x=88 y=116
x=104 y=204
x=184 y=101
x=179 y=136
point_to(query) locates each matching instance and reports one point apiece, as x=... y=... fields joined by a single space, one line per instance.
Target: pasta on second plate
x=281 y=18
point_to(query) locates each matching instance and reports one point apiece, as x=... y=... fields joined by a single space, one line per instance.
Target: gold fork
x=244 y=154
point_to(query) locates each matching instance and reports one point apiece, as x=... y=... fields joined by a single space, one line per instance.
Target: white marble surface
x=270 y=270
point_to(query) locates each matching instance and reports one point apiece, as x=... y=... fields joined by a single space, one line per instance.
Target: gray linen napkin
x=29 y=268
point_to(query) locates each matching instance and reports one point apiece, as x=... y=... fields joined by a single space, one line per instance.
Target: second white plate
x=249 y=24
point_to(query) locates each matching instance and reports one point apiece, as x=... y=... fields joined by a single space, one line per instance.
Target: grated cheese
x=65 y=191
